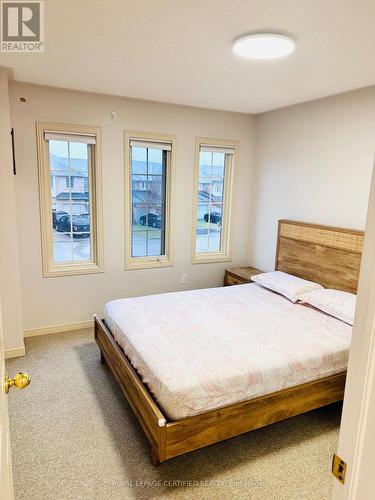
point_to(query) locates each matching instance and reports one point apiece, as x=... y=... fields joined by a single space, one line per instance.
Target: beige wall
x=313 y=162
x=10 y=291
x=54 y=301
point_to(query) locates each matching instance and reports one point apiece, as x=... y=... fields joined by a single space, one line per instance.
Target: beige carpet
x=74 y=436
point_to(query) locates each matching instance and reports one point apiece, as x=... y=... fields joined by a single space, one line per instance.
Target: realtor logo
x=22 y=26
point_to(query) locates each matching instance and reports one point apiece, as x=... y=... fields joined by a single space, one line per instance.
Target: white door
x=357 y=434
x=6 y=481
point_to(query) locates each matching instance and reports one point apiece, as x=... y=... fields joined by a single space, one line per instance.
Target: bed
x=185 y=361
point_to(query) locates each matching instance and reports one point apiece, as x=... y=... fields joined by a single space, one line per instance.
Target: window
x=212 y=200
x=72 y=181
x=149 y=174
x=70 y=199
x=69 y=182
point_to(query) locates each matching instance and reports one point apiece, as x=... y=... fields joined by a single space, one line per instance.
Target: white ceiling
x=179 y=51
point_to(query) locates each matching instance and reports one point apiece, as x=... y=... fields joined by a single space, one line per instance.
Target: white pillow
x=286 y=284
x=339 y=304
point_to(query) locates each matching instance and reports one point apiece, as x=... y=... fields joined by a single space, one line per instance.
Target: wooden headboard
x=327 y=255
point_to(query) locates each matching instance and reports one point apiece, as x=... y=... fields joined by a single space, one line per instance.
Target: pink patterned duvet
x=202 y=349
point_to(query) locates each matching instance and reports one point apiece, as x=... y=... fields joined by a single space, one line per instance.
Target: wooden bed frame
x=324 y=254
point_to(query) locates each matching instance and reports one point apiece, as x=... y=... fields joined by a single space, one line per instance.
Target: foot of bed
x=154 y=458
x=102 y=358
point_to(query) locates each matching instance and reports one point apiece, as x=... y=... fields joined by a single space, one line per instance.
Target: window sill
x=207 y=258
x=147 y=263
x=72 y=270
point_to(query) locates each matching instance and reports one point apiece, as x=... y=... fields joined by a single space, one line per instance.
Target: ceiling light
x=263 y=46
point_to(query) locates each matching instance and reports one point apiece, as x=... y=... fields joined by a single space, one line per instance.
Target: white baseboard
x=14 y=353
x=58 y=328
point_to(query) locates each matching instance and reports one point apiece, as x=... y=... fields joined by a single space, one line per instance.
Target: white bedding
x=202 y=349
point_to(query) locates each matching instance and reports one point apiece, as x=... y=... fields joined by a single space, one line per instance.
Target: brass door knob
x=20 y=381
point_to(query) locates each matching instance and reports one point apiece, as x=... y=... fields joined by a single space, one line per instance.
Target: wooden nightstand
x=239 y=275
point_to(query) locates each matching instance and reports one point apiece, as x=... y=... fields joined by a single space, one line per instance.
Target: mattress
x=202 y=349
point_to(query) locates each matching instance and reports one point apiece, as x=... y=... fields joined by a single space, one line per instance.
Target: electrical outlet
x=183 y=279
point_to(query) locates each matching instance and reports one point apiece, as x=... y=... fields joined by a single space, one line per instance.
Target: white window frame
x=224 y=255
x=96 y=264
x=149 y=262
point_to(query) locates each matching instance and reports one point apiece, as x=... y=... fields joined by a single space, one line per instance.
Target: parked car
x=153 y=220
x=56 y=216
x=214 y=217
x=74 y=223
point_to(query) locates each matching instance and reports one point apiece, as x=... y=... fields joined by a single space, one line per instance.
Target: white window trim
x=132 y=263
x=51 y=268
x=224 y=255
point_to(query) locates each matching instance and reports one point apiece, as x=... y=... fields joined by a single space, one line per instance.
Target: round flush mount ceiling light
x=264 y=46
